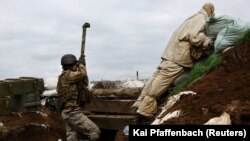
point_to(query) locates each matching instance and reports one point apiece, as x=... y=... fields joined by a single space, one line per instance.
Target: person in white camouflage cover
x=183 y=48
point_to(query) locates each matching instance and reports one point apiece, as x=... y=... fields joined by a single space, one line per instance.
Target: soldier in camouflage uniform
x=70 y=83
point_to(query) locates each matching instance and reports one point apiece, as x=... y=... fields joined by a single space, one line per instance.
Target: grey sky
x=125 y=35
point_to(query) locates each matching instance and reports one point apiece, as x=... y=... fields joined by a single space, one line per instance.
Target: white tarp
x=172 y=100
x=224 y=119
x=164 y=115
x=174 y=114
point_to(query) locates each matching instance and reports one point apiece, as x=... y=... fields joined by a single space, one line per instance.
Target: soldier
x=184 y=48
x=70 y=84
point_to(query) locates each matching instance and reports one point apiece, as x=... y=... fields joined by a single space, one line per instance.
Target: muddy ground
x=41 y=126
x=45 y=125
x=225 y=89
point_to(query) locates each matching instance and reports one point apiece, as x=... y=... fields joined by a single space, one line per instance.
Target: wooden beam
x=118 y=106
x=113 y=122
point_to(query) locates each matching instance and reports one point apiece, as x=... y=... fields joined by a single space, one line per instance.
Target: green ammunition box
x=14 y=86
x=31 y=97
x=4 y=89
x=38 y=83
x=23 y=94
x=4 y=106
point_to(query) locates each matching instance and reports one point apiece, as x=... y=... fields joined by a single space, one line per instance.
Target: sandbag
x=216 y=24
x=224 y=119
x=225 y=30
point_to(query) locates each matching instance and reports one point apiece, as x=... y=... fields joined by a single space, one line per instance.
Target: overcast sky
x=125 y=35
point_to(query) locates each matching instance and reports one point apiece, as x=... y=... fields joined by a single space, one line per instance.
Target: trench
x=42 y=133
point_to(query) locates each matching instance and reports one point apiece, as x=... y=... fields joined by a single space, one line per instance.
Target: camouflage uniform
x=77 y=124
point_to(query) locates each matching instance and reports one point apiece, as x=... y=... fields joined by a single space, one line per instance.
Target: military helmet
x=68 y=59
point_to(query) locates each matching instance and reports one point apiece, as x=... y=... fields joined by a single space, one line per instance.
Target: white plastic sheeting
x=172 y=100
x=224 y=119
x=164 y=115
x=174 y=114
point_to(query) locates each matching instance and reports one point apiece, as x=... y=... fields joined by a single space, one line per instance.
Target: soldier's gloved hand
x=81 y=62
x=205 y=44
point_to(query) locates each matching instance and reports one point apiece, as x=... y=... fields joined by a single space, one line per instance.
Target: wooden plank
x=32 y=104
x=113 y=122
x=120 y=106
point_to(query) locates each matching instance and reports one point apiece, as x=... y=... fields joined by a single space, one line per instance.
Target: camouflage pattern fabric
x=70 y=84
x=78 y=126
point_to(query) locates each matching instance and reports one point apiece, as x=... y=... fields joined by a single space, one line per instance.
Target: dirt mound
x=225 y=89
x=44 y=125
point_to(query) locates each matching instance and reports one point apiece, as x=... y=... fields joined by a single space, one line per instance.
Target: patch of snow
x=1 y=124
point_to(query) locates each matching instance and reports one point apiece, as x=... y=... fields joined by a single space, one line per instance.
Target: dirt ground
x=225 y=89
x=43 y=126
